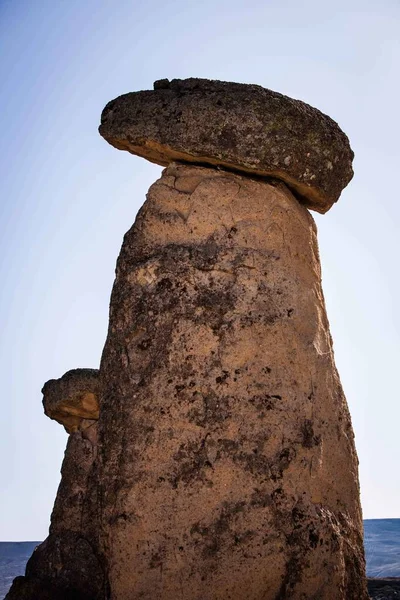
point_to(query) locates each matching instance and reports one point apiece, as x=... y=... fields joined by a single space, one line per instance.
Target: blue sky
x=67 y=197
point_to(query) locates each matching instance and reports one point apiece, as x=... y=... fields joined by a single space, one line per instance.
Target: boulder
x=236 y=126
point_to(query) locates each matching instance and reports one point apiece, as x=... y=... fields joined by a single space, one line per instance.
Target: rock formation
x=66 y=565
x=73 y=400
x=242 y=127
x=224 y=466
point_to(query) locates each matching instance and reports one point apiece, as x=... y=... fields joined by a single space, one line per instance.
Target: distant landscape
x=13 y=558
x=382 y=548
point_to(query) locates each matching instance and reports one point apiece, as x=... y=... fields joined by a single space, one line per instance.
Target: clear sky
x=67 y=197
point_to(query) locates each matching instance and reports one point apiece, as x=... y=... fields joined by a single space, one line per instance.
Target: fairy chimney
x=225 y=465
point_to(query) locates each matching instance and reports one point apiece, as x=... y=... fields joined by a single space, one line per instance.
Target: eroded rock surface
x=67 y=565
x=212 y=456
x=73 y=399
x=228 y=468
x=238 y=126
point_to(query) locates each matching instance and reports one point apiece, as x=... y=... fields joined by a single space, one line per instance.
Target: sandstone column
x=222 y=465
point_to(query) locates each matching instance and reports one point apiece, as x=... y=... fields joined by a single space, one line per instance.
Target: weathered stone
x=222 y=465
x=67 y=565
x=228 y=462
x=237 y=126
x=73 y=399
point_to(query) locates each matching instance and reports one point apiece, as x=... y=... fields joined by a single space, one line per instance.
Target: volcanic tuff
x=222 y=464
x=73 y=398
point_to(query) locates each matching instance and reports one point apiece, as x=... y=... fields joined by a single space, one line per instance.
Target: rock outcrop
x=222 y=465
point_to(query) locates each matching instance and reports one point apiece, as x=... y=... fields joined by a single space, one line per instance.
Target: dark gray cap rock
x=72 y=399
x=236 y=126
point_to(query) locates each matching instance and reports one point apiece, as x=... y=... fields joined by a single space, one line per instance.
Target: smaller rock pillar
x=65 y=566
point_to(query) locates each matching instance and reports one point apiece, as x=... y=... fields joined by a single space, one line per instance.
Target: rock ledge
x=72 y=399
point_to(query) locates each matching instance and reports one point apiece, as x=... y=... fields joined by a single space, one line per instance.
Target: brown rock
x=67 y=565
x=73 y=399
x=228 y=461
x=222 y=465
x=242 y=127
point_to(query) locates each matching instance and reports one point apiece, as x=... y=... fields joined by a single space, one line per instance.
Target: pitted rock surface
x=228 y=468
x=73 y=400
x=238 y=126
x=67 y=565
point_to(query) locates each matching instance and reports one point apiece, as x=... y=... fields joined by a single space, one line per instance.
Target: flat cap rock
x=236 y=126
x=73 y=398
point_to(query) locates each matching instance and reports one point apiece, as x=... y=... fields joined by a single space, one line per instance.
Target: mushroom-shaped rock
x=73 y=399
x=223 y=462
x=237 y=126
x=66 y=566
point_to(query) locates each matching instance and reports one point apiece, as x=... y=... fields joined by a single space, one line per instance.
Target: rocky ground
x=384 y=589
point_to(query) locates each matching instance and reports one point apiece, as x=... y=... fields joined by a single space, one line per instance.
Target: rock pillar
x=67 y=565
x=229 y=468
x=223 y=465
